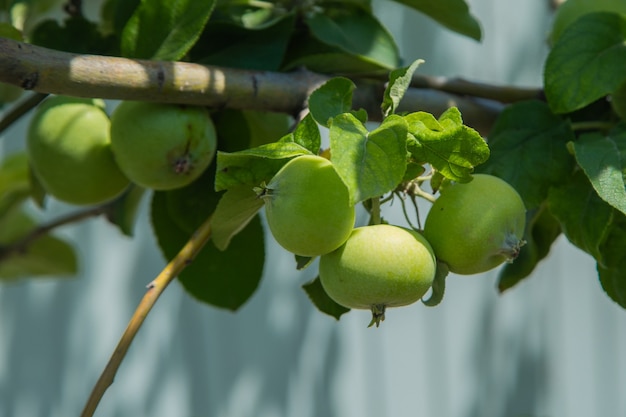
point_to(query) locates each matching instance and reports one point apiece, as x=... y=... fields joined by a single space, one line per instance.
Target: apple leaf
x=237 y=207
x=322 y=301
x=529 y=150
x=357 y=33
x=14 y=181
x=157 y=30
x=123 y=212
x=603 y=158
x=452 y=148
x=224 y=279
x=584 y=217
x=307 y=134
x=189 y=206
x=332 y=98
x=46 y=255
x=613 y=273
x=254 y=166
x=542 y=229
x=587 y=62
x=369 y=163
x=399 y=82
x=453 y=14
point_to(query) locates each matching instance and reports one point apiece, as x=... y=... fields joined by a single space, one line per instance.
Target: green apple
x=69 y=149
x=162 y=146
x=475 y=226
x=379 y=266
x=308 y=207
x=571 y=10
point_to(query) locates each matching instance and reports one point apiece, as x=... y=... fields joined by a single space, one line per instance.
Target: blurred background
x=551 y=347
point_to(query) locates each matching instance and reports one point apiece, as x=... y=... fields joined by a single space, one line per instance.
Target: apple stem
x=375 y=211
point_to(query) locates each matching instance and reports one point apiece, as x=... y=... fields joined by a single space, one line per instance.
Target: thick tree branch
x=48 y=71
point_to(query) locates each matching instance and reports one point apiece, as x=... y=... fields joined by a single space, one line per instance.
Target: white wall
x=549 y=347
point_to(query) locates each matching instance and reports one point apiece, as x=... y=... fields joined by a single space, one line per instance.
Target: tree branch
x=155 y=289
x=49 y=71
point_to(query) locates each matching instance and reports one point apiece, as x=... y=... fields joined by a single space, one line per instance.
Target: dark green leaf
x=224 y=279
x=399 y=82
x=303 y=261
x=189 y=206
x=587 y=62
x=254 y=166
x=322 y=301
x=603 y=158
x=542 y=229
x=529 y=150
x=76 y=35
x=333 y=98
x=584 y=217
x=453 y=14
x=124 y=210
x=266 y=127
x=237 y=207
x=447 y=144
x=232 y=45
x=613 y=273
x=355 y=32
x=370 y=163
x=162 y=31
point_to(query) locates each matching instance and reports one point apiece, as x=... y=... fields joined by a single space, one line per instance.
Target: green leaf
x=399 y=82
x=237 y=207
x=233 y=45
x=46 y=255
x=14 y=181
x=253 y=166
x=355 y=32
x=613 y=274
x=189 y=206
x=542 y=229
x=77 y=35
x=452 y=148
x=603 y=158
x=322 y=301
x=266 y=127
x=332 y=98
x=224 y=279
x=124 y=210
x=453 y=14
x=161 y=30
x=587 y=62
x=307 y=134
x=584 y=217
x=370 y=163
x=529 y=150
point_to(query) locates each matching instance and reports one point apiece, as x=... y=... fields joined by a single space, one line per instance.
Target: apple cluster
x=471 y=228
x=81 y=156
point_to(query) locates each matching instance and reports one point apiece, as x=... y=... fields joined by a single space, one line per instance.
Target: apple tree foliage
x=564 y=153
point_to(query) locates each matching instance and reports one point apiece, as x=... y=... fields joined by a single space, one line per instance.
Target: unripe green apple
x=308 y=207
x=475 y=226
x=571 y=10
x=379 y=266
x=69 y=149
x=162 y=146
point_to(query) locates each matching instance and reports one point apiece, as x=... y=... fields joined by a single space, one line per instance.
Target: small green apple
x=308 y=207
x=475 y=226
x=162 y=146
x=379 y=266
x=69 y=149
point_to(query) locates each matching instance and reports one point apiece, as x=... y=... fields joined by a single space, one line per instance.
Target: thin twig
x=42 y=230
x=20 y=110
x=155 y=289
